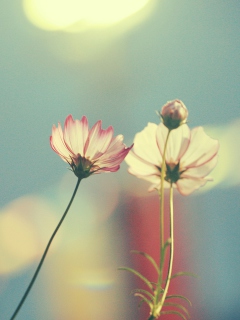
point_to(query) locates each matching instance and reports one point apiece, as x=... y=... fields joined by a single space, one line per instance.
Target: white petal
x=188 y=185
x=201 y=171
x=177 y=143
x=58 y=145
x=139 y=167
x=145 y=145
x=201 y=149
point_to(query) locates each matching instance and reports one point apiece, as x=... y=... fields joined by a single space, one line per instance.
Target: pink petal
x=178 y=142
x=58 y=145
x=145 y=145
x=116 y=147
x=111 y=160
x=201 y=149
x=98 y=141
x=76 y=134
x=107 y=169
x=189 y=185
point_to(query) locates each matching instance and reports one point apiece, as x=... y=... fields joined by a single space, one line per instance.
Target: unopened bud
x=173 y=114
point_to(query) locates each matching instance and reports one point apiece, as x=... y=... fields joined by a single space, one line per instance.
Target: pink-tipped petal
x=103 y=142
x=111 y=160
x=98 y=141
x=76 y=134
x=57 y=143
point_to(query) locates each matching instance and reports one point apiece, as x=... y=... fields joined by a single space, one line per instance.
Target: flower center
x=172 y=172
x=83 y=167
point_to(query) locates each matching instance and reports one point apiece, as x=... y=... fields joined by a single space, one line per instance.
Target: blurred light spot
x=226 y=173
x=97 y=196
x=60 y=15
x=25 y=225
x=94 y=279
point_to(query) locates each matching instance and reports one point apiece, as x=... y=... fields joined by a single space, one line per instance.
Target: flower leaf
x=177 y=305
x=174 y=312
x=180 y=297
x=153 y=262
x=144 y=299
x=143 y=291
x=138 y=274
x=190 y=274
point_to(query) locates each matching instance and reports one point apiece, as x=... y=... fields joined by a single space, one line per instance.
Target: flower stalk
x=44 y=254
x=170 y=265
x=161 y=219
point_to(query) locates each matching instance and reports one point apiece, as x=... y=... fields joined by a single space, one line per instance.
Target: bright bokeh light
x=60 y=15
x=226 y=173
x=25 y=224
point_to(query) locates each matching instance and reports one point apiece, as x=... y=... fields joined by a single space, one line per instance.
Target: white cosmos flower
x=190 y=157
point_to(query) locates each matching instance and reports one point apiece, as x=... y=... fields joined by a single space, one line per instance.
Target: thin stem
x=161 y=213
x=44 y=254
x=163 y=173
x=169 y=274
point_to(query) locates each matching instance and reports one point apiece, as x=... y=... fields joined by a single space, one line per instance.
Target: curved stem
x=44 y=254
x=169 y=274
x=161 y=213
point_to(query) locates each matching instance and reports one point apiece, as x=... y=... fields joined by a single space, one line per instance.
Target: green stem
x=151 y=317
x=44 y=254
x=163 y=173
x=161 y=213
x=169 y=274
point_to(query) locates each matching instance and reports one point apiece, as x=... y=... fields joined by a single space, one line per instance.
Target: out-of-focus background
x=118 y=61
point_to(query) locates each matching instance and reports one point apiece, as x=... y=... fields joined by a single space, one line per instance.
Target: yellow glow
x=59 y=15
x=25 y=225
x=226 y=173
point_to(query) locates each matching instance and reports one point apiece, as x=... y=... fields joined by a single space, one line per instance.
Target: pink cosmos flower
x=190 y=156
x=88 y=151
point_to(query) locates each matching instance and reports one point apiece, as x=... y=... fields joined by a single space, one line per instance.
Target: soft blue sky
x=184 y=49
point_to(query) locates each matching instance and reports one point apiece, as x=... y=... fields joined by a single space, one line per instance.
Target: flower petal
x=98 y=141
x=201 y=149
x=58 y=145
x=76 y=134
x=139 y=167
x=111 y=160
x=178 y=142
x=202 y=170
x=145 y=145
x=188 y=185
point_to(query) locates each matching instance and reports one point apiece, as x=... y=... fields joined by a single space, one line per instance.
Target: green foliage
x=153 y=262
x=153 y=296
x=174 y=312
x=180 y=297
x=178 y=274
x=138 y=274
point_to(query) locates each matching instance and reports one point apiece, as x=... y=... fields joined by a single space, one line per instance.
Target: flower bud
x=173 y=114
